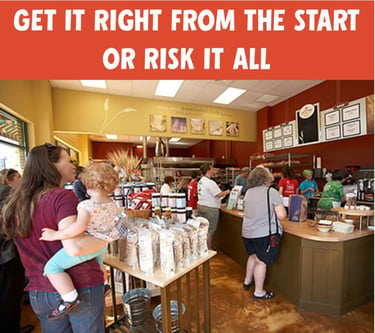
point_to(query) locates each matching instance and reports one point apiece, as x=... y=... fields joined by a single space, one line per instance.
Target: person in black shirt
x=12 y=273
x=78 y=188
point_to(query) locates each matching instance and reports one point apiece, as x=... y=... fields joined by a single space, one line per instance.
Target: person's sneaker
x=63 y=309
x=107 y=290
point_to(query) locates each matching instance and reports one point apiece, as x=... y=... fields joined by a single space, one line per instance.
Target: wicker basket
x=141 y=214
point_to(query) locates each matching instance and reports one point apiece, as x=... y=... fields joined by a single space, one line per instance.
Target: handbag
x=274 y=239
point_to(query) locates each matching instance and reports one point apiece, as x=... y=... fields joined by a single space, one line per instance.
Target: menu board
x=344 y=121
x=279 y=137
x=307 y=120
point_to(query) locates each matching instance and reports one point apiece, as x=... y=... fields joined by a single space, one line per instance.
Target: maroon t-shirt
x=52 y=208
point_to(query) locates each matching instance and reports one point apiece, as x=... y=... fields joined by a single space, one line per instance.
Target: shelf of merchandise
x=308 y=161
x=231 y=174
x=170 y=166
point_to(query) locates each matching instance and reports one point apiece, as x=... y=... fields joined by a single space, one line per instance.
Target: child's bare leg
x=61 y=282
x=64 y=286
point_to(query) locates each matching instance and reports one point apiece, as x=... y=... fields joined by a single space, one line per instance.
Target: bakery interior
x=94 y=122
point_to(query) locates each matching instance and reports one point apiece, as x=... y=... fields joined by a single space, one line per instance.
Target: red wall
x=100 y=150
x=335 y=154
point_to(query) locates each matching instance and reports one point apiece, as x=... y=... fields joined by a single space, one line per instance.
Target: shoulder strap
x=269 y=213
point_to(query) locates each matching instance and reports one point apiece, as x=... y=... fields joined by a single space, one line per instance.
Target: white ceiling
x=203 y=92
x=259 y=94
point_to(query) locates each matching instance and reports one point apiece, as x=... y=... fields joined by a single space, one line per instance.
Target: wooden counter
x=331 y=273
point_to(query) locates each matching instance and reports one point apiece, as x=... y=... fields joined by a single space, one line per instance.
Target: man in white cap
x=241 y=179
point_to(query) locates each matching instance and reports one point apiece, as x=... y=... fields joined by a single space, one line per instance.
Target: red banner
x=185 y=39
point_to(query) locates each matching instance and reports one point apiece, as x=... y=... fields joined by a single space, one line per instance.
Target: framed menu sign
x=278 y=143
x=268 y=146
x=288 y=141
x=277 y=133
x=332 y=117
x=333 y=132
x=351 y=128
x=350 y=112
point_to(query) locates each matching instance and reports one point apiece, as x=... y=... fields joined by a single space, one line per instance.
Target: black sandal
x=247 y=286
x=267 y=295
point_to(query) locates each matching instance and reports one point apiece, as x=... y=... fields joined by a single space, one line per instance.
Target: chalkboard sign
x=307 y=120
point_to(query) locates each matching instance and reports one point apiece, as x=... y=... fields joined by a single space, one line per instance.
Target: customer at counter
x=241 y=180
x=258 y=226
x=333 y=191
x=209 y=200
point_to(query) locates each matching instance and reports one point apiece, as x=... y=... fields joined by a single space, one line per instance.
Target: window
x=13 y=142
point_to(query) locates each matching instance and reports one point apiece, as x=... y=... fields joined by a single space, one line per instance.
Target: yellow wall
x=71 y=116
x=84 y=112
x=80 y=142
x=31 y=102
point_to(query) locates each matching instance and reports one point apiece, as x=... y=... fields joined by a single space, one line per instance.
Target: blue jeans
x=87 y=318
x=61 y=261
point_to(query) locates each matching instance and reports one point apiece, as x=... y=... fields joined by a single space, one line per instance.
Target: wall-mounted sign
x=331 y=118
x=345 y=121
x=352 y=128
x=333 y=132
x=279 y=137
x=277 y=133
x=350 y=112
x=307 y=120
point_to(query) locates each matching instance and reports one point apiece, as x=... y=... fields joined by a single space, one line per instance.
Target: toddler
x=96 y=216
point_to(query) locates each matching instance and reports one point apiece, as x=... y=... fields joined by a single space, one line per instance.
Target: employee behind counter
x=333 y=191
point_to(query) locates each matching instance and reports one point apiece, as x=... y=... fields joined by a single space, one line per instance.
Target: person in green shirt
x=333 y=191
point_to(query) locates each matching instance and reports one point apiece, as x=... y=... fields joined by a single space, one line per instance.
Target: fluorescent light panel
x=168 y=88
x=94 y=83
x=174 y=139
x=267 y=98
x=111 y=136
x=229 y=95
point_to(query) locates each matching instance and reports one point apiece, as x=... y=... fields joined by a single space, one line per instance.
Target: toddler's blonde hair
x=100 y=176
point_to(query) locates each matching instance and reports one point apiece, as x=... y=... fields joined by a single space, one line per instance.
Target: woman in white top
x=167 y=186
x=209 y=200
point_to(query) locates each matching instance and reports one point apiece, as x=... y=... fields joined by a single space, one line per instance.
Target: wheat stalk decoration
x=125 y=161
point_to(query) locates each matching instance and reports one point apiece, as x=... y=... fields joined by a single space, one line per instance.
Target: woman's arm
x=280 y=211
x=72 y=230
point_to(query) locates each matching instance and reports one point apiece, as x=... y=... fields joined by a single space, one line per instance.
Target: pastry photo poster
x=242 y=40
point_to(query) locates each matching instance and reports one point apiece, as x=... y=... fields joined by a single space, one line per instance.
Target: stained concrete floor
x=233 y=310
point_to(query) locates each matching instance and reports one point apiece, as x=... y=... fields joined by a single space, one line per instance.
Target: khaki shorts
x=212 y=215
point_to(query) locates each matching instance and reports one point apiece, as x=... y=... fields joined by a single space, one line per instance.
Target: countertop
x=301 y=229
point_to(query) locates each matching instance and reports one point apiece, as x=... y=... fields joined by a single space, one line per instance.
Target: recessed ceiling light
x=168 y=88
x=174 y=139
x=139 y=146
x=267 y=98
x=229 y=95
x=111 y=136
x=94 y=83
